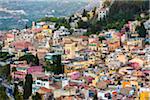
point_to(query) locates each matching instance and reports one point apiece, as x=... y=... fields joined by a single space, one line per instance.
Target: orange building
x=113 y=45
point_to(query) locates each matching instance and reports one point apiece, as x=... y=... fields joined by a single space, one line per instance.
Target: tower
x=33 y=25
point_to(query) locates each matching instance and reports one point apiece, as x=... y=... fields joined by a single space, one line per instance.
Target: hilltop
x=118 y=13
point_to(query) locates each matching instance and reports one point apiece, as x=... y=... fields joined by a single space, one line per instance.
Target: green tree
x=84 y=14
x=5 y=70
x=4 y=56
x=14 y=69
x=62 y=22
x=147 y=43
x=36 y=60
x=27 y=86
x=87 y=33
x=70 y=20
x=141 y=30
x=0 y=47
x=3 y=94
x=16 y=92
x=95 y=27
x=101 y=38
x=54 y=64
x=95 y=97
x=48 y=19
x=120 y=12
x=94 y=11
x=37 y=96
x=17 y=95
x=30 y=59
x=82 y=24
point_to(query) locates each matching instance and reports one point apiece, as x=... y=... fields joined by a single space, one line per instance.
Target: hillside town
x=45 y=62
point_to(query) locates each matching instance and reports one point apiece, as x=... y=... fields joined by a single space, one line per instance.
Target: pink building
x=21 y=69
x=9 y=35
x=19 y=75
x=21 y=44
x=75 y=75
x=37 y=30
x=34 y=69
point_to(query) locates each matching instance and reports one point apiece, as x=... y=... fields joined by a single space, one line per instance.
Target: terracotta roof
x=94 y=42
x=21 y=44
x=45 y=89
x=83 y=36
x=37 y=30
x=10 y=35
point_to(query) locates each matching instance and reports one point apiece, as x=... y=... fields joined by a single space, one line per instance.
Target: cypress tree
x=36 y=60
x=27 y=86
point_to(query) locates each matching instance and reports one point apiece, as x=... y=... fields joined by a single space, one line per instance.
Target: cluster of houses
x=110 y=65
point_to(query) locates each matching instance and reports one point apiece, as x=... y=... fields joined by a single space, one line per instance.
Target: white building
x=102 y=12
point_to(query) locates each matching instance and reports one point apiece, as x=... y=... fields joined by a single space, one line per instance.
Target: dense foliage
x=5 y=71
x=3 y=94
x=54 y=65
x=59 y=21
x=62 y=22
x=30 y=59
x=37 y=96
x=17 y=95
x=141 y=30
x=49 y=19
x=4 y=56
x=120 y=12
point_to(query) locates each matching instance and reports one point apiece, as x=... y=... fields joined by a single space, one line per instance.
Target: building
x=18 y=70
x=102 y=13
x=134 y=42
x=113 y=45
x=70 y=49
x=9 y=38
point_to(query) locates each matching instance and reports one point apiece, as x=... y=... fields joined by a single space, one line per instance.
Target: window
x=38 y=83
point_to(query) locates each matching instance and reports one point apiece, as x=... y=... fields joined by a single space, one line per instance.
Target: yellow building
x=90 y=14
x=77 y=66
x=94 y=82
x=72 y=68
x=47 y=32
x=70 y=49
x=45 y=27
x=93 y=46
x=145 y=95
x=9 y=39
x=132 y=43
